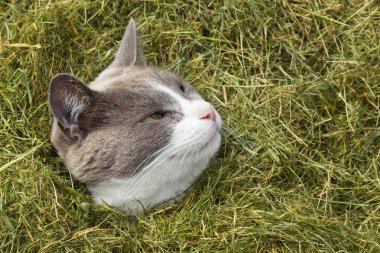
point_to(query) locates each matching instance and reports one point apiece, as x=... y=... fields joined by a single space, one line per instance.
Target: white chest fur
x=152 y=187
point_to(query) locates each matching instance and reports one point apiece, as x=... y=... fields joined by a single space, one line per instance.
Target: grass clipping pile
x=296 y=82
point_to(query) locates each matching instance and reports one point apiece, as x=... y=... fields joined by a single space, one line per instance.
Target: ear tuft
x=129 y=52
x=68 y=98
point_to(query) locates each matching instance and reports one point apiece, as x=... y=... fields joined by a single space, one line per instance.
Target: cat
x=137 y=136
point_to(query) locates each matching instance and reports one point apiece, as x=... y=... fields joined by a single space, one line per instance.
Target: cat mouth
x=211 y=140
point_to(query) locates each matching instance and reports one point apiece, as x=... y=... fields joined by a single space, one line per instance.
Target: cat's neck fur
x=147 y=189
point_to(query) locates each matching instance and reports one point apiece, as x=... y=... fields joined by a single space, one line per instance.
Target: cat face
x=130 y=122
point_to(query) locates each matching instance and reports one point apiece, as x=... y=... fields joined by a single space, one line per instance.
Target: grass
x=296 y=82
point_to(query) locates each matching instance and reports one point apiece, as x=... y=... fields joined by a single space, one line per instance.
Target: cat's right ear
x=130 y=52
x=68 y=98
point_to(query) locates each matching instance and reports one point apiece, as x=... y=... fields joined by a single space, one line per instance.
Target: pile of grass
x=296 y=82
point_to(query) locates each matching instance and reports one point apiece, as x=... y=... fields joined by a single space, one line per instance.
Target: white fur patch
x=153 y=186
x=188 y=106
x=74 y=105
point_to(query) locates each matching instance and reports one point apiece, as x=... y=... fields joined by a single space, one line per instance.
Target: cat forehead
x=138 y=96
x=146 y=84
x=133 y=77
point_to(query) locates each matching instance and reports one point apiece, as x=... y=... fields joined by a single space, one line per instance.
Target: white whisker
x=170 y=151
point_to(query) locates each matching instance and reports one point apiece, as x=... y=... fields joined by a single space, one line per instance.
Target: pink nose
x=209 y=113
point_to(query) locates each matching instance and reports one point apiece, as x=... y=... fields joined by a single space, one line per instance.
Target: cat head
x=130 y=116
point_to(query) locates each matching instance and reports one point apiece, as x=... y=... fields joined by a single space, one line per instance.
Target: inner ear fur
x=68 y=98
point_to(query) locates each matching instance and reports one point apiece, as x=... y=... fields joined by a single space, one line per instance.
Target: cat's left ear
x=129 y=53
x=68 y=99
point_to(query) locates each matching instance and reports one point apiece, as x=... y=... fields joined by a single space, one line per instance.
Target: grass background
x=296 y=82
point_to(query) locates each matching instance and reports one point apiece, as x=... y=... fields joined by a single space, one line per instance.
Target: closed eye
x=155 y=116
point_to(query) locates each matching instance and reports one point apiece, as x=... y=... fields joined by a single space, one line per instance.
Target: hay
x=296 y=82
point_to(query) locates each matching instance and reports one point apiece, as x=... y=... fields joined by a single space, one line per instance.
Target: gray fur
x=129 y=52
